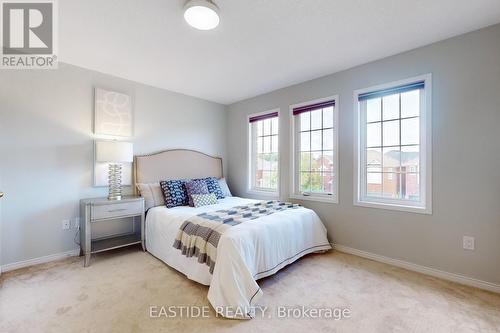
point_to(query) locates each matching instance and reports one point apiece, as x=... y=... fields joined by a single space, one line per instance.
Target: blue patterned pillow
x=204 y=199
x=175 y=193
x=196 y=187
x=214 y=187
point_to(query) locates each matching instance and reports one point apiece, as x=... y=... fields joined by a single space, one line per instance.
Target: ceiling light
x=202 y=14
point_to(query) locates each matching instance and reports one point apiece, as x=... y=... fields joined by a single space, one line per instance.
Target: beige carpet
x=115 y=293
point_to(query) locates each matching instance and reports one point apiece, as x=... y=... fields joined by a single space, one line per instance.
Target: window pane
x=411 y=186
x=260 y=162
x=305 y=161
x=410 y=133
x=317 y=144
x=327 y=182
x=374 y=178
x=316 y=140
x=305 y=141
x=410 y=159
x=328 y=139
x=260 y=129
x=267 y=126
x=390 y=107
x=305 y=121
x=266 y=165
x=373 y=110
x=374 y=159
x=391 y=133
x=316 y=159
x=374 y=184
x=259 y=179
x=267 y=144
x=316 y=119
x=275 y=125
x=274 y=144
x=274 y=161
x=373 y=135
x=260 y=145
x=316 y=182
x=328 y=117
x=391 y=185
x=305 y=182
x=391 y=155
x=410 y=104
x=267 y=179
x=274 y=180
x=391 y=159
x=265 y=160
x=327 y=161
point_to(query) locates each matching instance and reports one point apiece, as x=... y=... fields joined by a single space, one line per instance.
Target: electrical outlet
x=468 y=243
x=66 y=224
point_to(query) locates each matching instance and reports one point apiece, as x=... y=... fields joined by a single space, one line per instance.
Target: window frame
x=251 y=189
x=295 y=169
x=424 y=206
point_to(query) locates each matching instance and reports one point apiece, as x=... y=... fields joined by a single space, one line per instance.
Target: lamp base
x=115 y=181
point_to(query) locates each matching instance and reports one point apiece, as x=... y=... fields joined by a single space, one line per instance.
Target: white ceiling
x=260 y=45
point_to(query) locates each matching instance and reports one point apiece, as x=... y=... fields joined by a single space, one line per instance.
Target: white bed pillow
x=224 y=187
x=152 y=194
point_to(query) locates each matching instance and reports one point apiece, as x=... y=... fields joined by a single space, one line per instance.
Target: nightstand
x=98 y=210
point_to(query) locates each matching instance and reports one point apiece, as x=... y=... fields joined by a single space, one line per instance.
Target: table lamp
x=115 y=153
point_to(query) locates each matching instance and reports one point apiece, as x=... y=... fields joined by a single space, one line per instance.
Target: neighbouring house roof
x=392 y=158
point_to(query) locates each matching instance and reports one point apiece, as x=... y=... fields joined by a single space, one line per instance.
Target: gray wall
x=47 y=152
x=466 y=163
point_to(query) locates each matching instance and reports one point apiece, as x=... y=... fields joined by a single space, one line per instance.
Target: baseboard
x=462 y=279
x=465 y=280
x=41 y=260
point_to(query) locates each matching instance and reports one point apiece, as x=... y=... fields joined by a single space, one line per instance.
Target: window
x=314 y=162
x=394 y=146
x=264 y=153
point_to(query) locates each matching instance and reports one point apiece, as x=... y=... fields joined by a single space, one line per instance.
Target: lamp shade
x=114 y=151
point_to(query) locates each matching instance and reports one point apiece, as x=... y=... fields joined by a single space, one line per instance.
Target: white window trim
x=250 y=189
x=293 y=167
x=425 y=205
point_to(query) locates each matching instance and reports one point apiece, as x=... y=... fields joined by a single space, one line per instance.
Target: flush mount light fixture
x=202 y=14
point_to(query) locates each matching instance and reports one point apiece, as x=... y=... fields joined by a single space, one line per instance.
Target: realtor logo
x=28 y=34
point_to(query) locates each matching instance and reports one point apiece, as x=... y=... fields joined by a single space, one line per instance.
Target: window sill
x=396 y=207
x=264 y=194
x=332 y=199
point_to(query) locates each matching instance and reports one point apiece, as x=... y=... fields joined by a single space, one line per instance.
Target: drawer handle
x=117 y=210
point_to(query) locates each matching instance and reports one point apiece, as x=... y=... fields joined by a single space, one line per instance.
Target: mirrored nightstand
x=98 y=210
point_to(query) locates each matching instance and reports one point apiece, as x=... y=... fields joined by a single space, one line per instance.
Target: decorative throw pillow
x=225 y=189
x=195 y=187
x=204 y=199
x=213 y=187
x=152 y=194
x=175 y=193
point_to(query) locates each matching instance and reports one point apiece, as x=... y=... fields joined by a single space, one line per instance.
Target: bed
x=245 y=253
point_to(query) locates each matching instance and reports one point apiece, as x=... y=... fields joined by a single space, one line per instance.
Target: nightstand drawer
x=99 y=212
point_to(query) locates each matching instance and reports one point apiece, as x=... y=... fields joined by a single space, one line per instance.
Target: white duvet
x=245 y=253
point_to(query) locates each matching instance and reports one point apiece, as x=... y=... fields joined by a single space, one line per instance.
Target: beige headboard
x=175 y=164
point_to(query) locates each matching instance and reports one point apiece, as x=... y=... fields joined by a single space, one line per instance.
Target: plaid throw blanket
x=199 y=235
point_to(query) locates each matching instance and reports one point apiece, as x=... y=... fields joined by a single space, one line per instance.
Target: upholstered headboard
x=175 y=164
